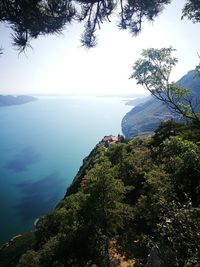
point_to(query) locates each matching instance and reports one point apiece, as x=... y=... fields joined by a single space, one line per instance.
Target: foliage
x=145 y=118
x=13 y=249
x=105 y=211
x=95 y=156
x=139 y=195
x=180 y=226
x=192 y=11
x=29 y=19
x=29 y=259
x=165 y=130
x=79 y=230
x=153 y=70
x=183 y=159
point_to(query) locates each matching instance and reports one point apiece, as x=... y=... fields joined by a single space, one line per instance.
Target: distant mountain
x=9 y=100
x=138 y=100
x=191 y=81
x=145 y=118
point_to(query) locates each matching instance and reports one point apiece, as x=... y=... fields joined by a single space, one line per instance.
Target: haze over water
x=42 y=145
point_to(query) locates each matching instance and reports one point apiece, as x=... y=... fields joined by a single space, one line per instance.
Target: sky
x=59 y=65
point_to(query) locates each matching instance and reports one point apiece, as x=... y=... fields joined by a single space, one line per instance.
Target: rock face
x=9 y=100
x=146 y=117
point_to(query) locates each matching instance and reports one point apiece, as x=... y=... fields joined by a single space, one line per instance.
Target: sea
x=42 y=146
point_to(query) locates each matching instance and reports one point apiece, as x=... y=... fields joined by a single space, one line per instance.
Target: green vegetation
x=134 y=197
x=30 y=18
x=145 y=118
x=12 y=250
x=178 y=101
x=153 y=70
x=136 y=201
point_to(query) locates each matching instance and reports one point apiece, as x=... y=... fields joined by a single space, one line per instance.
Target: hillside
x=9 y=100
x=133 y=203
x=130 y=199
x=146 y=117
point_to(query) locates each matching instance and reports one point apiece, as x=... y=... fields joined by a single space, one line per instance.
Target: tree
x=79 y=230
x=31 y=18
x=165 y=130
x=105 y=212
x=153 y=70
x=179 y=243
x=182 y=161
x=192 y=11
x=29 y=259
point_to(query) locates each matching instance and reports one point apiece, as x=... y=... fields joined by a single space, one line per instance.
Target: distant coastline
x=10 y=100
x=138 y=100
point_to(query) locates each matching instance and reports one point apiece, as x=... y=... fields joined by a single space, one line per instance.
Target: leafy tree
x=78 y=232
x=192 y=10
x=105 y=211
x=32 y=18
x=133 y=200
x=165 y=130
x=179 y=242
x=182 y=161
x=61 y=234
x=153 y=70
x=29 y=259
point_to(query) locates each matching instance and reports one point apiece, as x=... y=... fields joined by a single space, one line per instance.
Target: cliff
x=130 y=199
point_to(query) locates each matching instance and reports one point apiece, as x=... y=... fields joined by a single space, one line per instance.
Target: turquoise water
x=42 y=145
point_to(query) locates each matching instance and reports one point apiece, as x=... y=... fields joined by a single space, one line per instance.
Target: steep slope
x=130 y=199
x=146 y=117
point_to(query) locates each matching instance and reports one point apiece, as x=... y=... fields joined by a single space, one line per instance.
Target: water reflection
x=23 y=160
x=38 y=197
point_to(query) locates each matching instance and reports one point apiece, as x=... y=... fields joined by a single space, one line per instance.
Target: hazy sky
x=58 y=64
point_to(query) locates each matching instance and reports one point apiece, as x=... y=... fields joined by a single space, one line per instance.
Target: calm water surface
x=42 y=145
